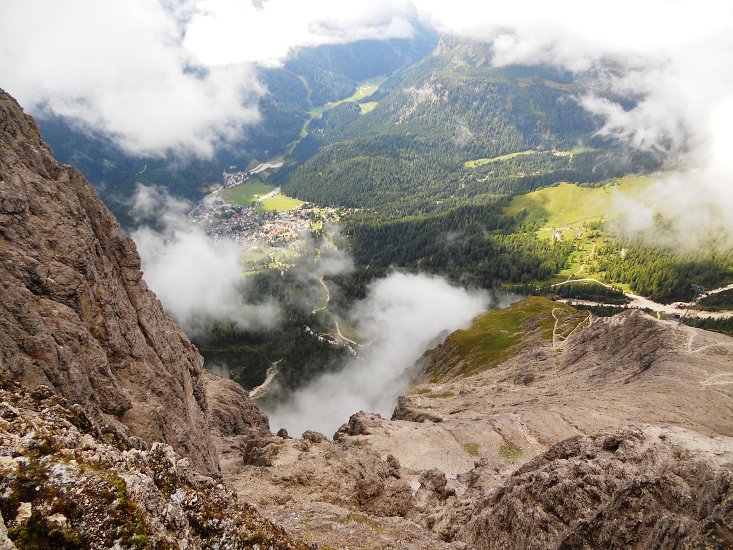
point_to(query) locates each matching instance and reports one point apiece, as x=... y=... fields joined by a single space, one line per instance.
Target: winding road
x=335 y=319
x=328 y=297
x=640 y=302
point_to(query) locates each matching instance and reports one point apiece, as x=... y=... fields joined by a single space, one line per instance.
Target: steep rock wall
x=75 y=313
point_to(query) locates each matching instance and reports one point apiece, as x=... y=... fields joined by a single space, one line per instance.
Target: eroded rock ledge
x=64 y=484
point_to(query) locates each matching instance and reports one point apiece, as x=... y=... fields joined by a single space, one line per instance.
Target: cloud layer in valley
x=401 y=316
x=161 y=76
x=196 y=278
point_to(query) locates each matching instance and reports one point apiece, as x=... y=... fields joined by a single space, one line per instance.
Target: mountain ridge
x=638 y=406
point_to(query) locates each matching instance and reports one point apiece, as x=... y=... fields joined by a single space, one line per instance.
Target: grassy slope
x=367 y=107
x=279 y=202
x=568 y=205
x=499 y=334
x=481 y=162
x=567 y=208
x=363 y=90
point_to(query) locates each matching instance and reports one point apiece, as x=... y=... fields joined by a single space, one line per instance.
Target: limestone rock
x=358 y=424
x=61 y=486
x=628 y=489
x=291 y=471
x=232 y=412
x=77 y=316
x=5 y=542
x=404 y=411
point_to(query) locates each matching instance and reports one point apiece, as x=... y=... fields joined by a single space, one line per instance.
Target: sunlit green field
x=363 y=89
x=568 y=205
x=279 y=202
x=481 y=162
x=246 y=194
x=567 y=209
x=367 y=107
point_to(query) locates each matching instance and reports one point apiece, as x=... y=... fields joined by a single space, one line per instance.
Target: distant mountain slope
x=312 y=77
x=332 y=72
x=441 y=129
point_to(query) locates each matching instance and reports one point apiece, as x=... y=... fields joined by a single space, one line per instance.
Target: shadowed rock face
x=76 y=315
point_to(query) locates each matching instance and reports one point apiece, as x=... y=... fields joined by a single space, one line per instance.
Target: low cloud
x=120 y=69
x=666 y=55
x=333 y=258
x=401 y=316
x=424 y=93
x=235 y=31
x=462 y=136
x=689 y=209
x=167 y=76
x=196 y=278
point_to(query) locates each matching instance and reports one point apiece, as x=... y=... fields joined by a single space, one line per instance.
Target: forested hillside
x=427 y=142
x=450 y=128
x=430 y=165
x=311 y=78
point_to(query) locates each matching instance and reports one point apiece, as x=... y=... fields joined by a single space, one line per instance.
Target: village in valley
x=259 y=217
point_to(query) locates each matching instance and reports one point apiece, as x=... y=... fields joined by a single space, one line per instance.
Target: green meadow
x=279 y=202
x=246 y=193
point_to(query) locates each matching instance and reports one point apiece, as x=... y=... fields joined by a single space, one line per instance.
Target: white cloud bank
x=177 y=74
x=196 y=278
x=165 y=75
x=118 y=68
x=402 y=314
x=673 y=56
x=236 y=31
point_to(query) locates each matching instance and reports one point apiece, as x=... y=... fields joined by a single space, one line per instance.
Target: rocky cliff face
x=573 y=432
x=75 y=313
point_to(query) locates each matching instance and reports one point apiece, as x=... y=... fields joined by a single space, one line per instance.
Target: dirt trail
x=328 y=296
x=557 y=339
x=263 y=388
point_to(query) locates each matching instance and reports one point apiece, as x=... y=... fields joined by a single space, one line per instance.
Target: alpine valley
x=418 y=265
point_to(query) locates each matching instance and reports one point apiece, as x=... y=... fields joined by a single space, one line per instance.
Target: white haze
x=118 y=68
x=402 y=315
x=195 y=277
x=674 y=57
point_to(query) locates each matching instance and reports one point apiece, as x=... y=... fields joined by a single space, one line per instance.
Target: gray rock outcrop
x=626 y=489
x=76 y=315
x=63 y=486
